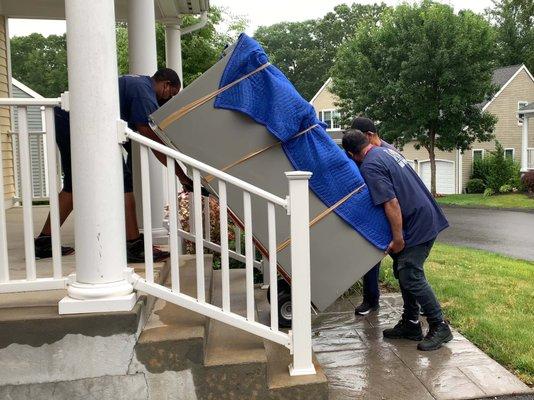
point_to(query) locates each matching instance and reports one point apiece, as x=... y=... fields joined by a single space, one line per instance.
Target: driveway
x=505 y=232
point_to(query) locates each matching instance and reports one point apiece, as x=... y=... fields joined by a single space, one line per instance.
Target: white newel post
x=99 y=283
x=142 y=53
x=300 y=273
x=524 y=145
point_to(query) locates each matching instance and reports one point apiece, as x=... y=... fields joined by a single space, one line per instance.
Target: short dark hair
x=354 y=141
x=167 y=74
x=363 y=124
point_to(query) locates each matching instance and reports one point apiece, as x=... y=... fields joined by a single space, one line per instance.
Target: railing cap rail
x=11 y=101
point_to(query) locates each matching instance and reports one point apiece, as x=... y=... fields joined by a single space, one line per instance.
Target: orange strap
x=323 y=214
x=209 y=178
x=203 y=100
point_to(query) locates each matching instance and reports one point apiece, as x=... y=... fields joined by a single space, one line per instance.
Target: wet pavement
x=506 y=232
x=361 y=364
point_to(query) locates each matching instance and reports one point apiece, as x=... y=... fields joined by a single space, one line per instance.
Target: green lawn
x=516 y=200
x=489 y=298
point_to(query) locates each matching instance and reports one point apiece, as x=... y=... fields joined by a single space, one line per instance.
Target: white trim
x=513 y=152
x=332 y=111
x=26 y=89
x=521 y=104
x=522 y=68
x=321 y=90
x=529 y=149
x=473 y=153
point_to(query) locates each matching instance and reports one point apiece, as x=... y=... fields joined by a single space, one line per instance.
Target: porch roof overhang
x=526 y=110
x=55 y=9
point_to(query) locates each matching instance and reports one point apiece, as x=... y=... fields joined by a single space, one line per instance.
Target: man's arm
x=145 y=130
x=394 y=216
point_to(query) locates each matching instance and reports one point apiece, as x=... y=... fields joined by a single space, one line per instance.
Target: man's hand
x=396 y=246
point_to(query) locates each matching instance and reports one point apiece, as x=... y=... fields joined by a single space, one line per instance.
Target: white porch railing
x=298 y=340
x=530 y=158
x=31 y=282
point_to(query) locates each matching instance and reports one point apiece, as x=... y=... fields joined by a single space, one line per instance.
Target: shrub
x=528 y=182
x=496 y=170
x=475 y=185
x=489 y=192
x=505 y=189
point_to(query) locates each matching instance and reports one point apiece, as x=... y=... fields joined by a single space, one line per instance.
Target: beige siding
x=5 y=122
x=507 y=131
x=325 y=100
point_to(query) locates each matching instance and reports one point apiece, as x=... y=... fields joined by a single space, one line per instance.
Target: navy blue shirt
x=388 y=175
x=137 y=99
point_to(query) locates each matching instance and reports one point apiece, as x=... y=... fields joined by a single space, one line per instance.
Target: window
x=521 y=104
x=478 y=154
x=509 y=153
x=331 y=118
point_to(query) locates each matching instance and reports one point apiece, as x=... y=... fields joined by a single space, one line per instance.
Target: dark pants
x=415 y=289
x=371 y=291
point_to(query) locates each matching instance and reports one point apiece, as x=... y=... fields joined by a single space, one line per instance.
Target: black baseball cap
x=363 y=124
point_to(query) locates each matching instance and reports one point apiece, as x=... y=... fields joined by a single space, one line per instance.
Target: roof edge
x=321 y=89
x=25 y=89
x=521 y=68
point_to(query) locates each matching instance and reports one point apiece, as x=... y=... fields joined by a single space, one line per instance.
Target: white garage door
x=445 y=177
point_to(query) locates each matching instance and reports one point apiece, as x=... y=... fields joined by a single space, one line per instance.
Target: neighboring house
x=6 y=147
x=36 y=124
x=516 y=90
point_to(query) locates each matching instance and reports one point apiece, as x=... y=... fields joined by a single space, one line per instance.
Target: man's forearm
x=394 y=216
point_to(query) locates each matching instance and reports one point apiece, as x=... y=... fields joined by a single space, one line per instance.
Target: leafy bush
x=505 y=189
x=496 y=170
x=528 y=182
x=489 y=192
x=475 y=185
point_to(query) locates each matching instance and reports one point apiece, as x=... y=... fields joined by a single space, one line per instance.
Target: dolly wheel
x=284 y=310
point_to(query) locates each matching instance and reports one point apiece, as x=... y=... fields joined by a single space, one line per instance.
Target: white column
x=173 y=47
x=299 y=210
x=524 y=145
x=99 y=283
x=142 y=52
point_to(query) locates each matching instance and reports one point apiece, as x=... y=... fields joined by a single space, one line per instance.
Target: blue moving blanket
x=271 y=100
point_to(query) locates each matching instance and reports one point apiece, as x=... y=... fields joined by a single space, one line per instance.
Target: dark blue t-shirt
x=388 y=175
x=137 y=99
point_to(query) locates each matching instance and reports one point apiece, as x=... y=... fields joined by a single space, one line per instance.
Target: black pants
x=371 y=291
x=415 y=289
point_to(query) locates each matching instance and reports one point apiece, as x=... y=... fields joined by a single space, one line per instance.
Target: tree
x=421 y=72
x=305 y=51
x=40 y=62
x=514 y=22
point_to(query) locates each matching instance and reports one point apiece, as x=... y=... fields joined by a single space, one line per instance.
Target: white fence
x=31 y=282
x=298 y=340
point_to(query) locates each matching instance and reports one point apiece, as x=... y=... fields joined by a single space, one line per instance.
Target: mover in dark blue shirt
x=371 y=288
x=415 y=221
x=139 y=97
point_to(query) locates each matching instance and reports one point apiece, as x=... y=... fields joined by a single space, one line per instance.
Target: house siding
x=5 y=119
x=325 y=100
x=507 y=131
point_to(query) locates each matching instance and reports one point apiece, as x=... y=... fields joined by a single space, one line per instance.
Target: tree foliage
x=421 y=72
x=305 y=51
x=514 y=23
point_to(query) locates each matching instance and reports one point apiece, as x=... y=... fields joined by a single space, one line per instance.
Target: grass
x=487 y=297
x=515 y=200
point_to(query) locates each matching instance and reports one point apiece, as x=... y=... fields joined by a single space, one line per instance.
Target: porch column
x=524 y=145
x=99 y=283
x=142 y=52
x=173 y=47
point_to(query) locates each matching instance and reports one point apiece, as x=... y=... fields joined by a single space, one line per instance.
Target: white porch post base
x=90 y=298
x=301 y=371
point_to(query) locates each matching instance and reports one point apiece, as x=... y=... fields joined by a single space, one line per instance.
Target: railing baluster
x=249 y=254
x=199 y=238
x=25 y=172
x=52 y=194
x=225 y=265
x=191 y=203
x=273 y=276
x=147 y=210
x=173 y=225
x=4 y=264
x=207 y=221
x=237 y=235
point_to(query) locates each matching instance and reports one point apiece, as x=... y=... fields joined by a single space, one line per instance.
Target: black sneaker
x=365 y=308
x=43 y=248
x=435 y=338
x=405 y=330
x=135 y=251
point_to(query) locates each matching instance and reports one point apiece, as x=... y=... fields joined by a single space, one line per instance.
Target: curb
x=522 y=210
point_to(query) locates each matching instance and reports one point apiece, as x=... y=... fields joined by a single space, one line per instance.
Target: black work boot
x=366 y=307
x=43 y=248
x=405 y=330
x=438 y=334
x=135 y=251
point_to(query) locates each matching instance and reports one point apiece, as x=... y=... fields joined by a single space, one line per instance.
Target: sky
x=257 y=12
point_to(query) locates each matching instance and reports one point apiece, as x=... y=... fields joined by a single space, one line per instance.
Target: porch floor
x=361 y=364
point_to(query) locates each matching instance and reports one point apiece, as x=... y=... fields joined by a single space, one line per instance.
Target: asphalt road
x=505 y=232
